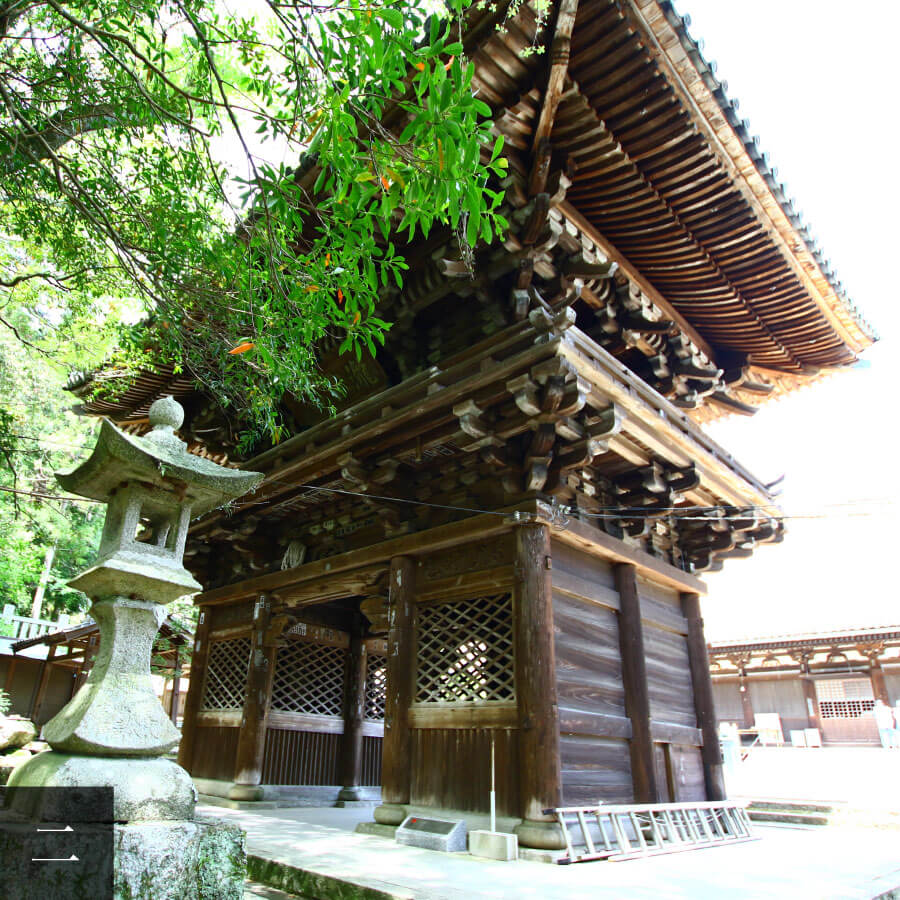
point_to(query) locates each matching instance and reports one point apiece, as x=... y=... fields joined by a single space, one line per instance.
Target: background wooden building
x=499 y=536
x=828 y=681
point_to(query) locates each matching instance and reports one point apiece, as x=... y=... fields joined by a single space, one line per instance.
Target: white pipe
x=493 y=791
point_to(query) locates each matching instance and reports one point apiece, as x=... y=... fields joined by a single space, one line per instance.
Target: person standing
x=884 y=720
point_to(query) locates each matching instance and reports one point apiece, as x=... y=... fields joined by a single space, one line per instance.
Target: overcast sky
x=817 y=82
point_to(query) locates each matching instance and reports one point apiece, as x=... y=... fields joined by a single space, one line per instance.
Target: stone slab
x=444 y=835
x=494 y=845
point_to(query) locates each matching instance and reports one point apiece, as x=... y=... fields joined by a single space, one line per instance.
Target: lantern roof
x=160 y=459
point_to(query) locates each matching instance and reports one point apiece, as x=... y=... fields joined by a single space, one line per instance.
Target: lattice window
x=376 y=685
x=845 y=698
x=309 y=679
x=845 y=709
x=226 y=674
x=465 y=651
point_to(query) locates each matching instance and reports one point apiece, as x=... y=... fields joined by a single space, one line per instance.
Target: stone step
x=794 y=806
x=788 y=818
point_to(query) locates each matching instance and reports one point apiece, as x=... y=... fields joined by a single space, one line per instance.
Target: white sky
x=817 y=81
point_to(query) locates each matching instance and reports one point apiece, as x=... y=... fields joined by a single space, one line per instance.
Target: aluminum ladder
x=630 y=831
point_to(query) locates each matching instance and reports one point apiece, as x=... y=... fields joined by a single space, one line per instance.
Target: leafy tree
x=41 y=435
x=129 y=136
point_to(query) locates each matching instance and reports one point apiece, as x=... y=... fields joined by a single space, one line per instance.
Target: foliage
x=5 y=702
x=40 y=437
x=132 y=137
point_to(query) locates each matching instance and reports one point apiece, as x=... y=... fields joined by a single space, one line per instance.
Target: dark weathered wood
x=879 y=688
x=396 y=761
x=703 y=698
x=465 y=715
x=540 y=782
x=595 y=769
x=176 y=685
x=634 y=678
x=438 y=752
x=251 y=744
x=812 y=703
x=354 y=712
x=46 y=670
x=10 y=670
x=476 y=528
x=195 y=689
x=746 y=702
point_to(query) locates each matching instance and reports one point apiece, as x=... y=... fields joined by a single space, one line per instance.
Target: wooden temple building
x=498 y=540
x=827 y=680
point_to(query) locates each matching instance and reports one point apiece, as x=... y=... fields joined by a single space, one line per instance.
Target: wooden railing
x=20 y=628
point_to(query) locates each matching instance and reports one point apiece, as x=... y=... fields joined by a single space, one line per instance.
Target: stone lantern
x=114 y=732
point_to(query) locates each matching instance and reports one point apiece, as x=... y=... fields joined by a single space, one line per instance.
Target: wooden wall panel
x=687 y=773
x=215 y=750
x=371 y=761
x=727 y=697
x=594 y=769
x=661 y=764
x=669 y=677
x=301 y=757
x=451 y=768
x=588 y=666
x=595 y=761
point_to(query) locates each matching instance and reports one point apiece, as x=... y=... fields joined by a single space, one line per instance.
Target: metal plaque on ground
x=433 y=834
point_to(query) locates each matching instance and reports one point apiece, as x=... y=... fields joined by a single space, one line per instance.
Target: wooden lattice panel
x=226 y=674
x=309 y=679
x=465 y=651
x=376 y=686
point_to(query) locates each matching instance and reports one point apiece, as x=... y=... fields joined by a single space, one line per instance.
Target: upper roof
x=666 y=182
x=669 y=175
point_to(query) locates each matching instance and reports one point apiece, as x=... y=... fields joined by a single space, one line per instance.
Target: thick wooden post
x=812 y=702
x=634 y=680
x=540 y=781
x=701 y=682
x=46 y=671
x=195 y=689
x=354 y=711
x=401 y=677
x=10 y=671
x=252 y=738
x=876 y=676
x=746 y=703
x=176 y=684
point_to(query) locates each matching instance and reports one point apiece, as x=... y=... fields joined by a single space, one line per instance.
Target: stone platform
x=315 y=853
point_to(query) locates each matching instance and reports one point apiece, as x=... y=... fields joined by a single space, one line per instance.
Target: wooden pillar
x=701 y=682
x=812 y=702
x=401 y=677
x=746 y=703
x=176 y=683
x=46 y=671
x=876 y=676
x=354 y=713
x=252 y=738
x=540 y=780
x=634 y=680
x=10 y=670
x=195 y=690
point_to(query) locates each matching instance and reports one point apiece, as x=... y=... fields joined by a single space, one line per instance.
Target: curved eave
x=692 y=79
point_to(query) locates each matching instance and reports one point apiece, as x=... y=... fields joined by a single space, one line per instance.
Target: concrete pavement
x=314 y=852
